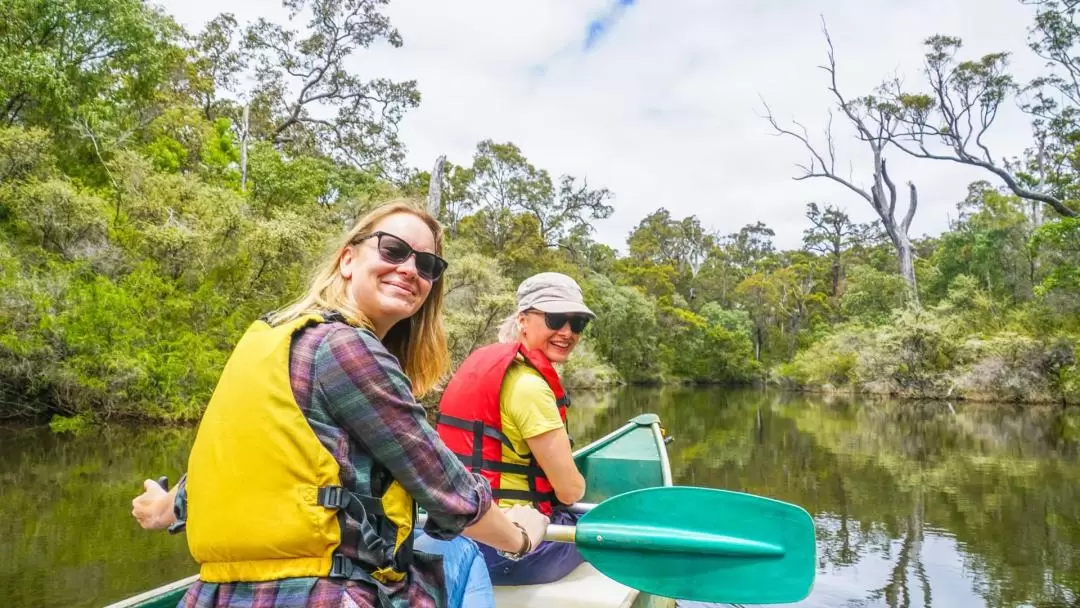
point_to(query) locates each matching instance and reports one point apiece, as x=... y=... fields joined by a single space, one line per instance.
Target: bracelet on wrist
x=526 y=542
x=526 y=545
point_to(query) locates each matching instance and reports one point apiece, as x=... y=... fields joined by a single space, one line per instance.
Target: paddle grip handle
x=558 y=533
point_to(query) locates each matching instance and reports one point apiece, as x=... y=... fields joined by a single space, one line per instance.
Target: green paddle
x=698 y=544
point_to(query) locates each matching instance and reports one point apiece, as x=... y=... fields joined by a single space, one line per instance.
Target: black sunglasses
x=393 y=250
x=556 y=320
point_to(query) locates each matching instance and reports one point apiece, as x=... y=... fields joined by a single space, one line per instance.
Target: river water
x=916 y=504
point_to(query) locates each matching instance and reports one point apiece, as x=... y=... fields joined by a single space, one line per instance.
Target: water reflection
x=66 y=534
x=916 y=505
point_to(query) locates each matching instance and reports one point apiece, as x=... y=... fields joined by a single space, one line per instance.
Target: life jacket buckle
x=341 y=566
x=332 y=497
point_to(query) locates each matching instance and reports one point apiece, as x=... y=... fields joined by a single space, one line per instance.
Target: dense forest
x=160 y=189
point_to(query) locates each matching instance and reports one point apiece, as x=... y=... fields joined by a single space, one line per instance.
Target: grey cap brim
x=562 y=306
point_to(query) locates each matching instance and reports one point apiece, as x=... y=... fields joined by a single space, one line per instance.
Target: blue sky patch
x=601 y=25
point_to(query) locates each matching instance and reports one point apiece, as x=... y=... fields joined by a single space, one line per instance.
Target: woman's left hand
x=153 y=509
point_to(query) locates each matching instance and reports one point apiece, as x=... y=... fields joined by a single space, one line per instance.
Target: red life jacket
x=470 y=422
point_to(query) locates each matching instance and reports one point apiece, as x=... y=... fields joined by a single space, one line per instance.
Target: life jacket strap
x=356 y=505
x=341 y=566
x=377 y=534
x=470 y=425
x=473 y=426
x=476 y=462
x=504 y=467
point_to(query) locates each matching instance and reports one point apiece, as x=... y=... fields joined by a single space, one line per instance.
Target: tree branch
x=817 y=167
x=892 y=191
x=913 y=202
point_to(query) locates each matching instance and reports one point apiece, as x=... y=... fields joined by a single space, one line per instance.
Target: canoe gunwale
x=155 y=593
x=661 y=448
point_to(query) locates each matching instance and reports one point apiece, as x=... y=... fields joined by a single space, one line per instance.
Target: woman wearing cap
x=312 y=455
x=504 y=414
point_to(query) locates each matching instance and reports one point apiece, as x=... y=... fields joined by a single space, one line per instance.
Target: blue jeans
x=467 y=580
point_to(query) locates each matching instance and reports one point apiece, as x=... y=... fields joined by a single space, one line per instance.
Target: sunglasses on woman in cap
x=556 y=320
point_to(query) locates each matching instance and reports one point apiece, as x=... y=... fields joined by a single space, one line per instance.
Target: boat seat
x=584 y=587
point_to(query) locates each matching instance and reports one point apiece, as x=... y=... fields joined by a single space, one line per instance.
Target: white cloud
x=664 y=110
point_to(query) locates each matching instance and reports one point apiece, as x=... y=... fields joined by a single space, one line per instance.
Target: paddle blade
x=702 y=544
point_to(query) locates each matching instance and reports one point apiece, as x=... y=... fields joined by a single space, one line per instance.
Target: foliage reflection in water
x=916 y=505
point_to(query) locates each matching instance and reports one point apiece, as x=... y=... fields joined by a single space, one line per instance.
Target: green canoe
x=631 y=458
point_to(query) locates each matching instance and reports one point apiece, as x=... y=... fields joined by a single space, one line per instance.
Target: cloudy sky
x=660 y=100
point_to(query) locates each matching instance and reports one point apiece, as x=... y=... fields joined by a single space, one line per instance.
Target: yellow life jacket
x=264 y=497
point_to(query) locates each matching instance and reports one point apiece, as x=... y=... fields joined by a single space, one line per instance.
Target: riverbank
x=588 y=382
x=939 y=354
x=942 y=353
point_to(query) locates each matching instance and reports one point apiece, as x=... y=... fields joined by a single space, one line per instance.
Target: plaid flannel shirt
x=359 y=402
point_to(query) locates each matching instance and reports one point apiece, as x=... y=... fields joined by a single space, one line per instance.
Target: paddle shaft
x=556 y=533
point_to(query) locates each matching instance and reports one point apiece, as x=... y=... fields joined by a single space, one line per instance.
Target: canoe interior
x=630 y=458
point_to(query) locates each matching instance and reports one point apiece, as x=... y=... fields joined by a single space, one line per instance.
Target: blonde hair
x=418 y=342
x=509 y=330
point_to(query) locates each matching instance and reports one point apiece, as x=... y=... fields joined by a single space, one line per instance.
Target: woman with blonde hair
x=504 y=414
x=312 y=455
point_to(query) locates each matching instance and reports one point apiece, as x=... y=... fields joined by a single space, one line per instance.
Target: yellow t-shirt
x=527 y=407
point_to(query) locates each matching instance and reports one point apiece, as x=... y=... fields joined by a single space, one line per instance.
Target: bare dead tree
x=950 y=122
x=882 y=195
x=434 y=197
x=245 y=132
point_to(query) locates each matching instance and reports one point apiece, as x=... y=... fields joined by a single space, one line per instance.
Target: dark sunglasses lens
x=393 y=249
x=429 y=266
x=396 y=251
x=554 y=320
x=577 y=324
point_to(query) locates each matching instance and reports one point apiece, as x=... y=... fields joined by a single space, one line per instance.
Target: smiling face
x=556 y=344
x=384 y=292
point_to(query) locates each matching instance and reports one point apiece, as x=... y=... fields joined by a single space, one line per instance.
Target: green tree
x=625 y=331
x=478 y=297
x=61 y=218
x=665 y=251
x=503 y=184
x=833 y=234
x=1063 y=239
x=307 y=99
x=581 y=251
x=781 y=303
x=701 y=351
x=65 y=61
x=871 y=295
x=218 y=62
x=990 y=241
